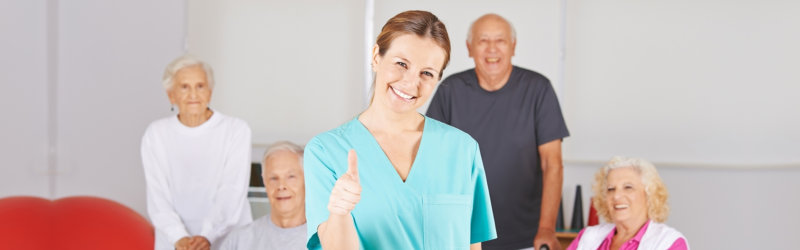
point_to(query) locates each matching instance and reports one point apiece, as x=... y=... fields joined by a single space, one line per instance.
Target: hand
x=546 y=236
x=183 y=243
x=199 y=243
x=347 y=191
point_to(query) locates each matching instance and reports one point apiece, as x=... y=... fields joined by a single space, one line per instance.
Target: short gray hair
x=513 y=31
x=282 y=146
x=185 y=61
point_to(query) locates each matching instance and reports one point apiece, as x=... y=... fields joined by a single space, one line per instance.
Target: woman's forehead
x=624 y=173
x=420 y=50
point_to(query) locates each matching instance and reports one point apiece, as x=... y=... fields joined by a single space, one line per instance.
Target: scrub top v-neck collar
x=388 y=166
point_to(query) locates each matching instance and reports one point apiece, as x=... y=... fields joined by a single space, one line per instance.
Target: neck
x=288 y=220
x=627 y=230
x=194 y=120
x=386 y=120
x=493 y=83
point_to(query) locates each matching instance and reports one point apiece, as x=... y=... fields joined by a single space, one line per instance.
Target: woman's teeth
x=404 y=96
x=621 y=206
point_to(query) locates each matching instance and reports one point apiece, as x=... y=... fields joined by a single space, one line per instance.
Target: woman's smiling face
x=406 y=75
x=626 y=199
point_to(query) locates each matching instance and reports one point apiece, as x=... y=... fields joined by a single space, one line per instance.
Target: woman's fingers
x=352 y=165
x=346 y=191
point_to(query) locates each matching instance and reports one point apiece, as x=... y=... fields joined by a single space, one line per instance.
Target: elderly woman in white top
x=630 y=195
x=196 y=164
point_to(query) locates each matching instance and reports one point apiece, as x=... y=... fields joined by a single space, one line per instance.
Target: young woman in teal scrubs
x=392 y=178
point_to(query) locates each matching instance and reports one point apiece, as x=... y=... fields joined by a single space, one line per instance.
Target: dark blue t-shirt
x=509 y=125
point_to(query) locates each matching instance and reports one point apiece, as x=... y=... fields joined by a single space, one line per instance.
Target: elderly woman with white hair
x=629 y=194
x=196 y=164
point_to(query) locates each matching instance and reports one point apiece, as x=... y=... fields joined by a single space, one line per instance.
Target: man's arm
x=552 y=179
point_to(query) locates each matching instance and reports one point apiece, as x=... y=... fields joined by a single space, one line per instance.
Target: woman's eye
x=610 y=189
x=402 y=64
x=428 y=74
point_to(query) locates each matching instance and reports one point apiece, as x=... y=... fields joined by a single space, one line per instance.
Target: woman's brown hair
x=421 y=23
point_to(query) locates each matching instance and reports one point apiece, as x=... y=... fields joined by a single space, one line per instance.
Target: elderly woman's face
x=190 y=90
x=407 y=73
x=626 y=199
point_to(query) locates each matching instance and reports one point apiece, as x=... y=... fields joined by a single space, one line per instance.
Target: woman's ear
x=375 y=57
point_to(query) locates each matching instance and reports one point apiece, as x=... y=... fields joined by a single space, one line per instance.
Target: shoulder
x=662 y=229
x=529 y=74
x=157 y=127
x=536 y=79
x=232 y=122
x=250 y=228
x=600 y=230
x=661 y=236
x=160 y=124
x=459 y=79
x=594 y=235
x=334 y=134
x=331 y=138
x=448 y=133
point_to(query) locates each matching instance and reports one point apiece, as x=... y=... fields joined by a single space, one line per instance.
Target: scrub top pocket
x=446 y=221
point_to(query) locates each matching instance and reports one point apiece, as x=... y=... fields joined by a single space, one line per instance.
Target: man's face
x=283 y=178
x=491 y=47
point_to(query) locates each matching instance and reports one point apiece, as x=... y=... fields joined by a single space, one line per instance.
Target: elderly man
x=285 y=226
x=514 y=115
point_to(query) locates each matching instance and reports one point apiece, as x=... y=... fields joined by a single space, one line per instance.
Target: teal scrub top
x=443 y=204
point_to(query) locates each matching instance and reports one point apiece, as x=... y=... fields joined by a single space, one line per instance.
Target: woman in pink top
x=630 y=195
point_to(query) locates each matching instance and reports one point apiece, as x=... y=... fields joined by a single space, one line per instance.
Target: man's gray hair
x=282 y=146
x=185 y=61
x=513 y=31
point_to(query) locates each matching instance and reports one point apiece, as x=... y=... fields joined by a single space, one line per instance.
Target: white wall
x=23 y=94
x=291 y=69
x=105 y=61
x=111 y=56
x=694 y=82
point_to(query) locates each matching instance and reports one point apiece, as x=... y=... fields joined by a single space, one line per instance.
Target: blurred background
x=707 y=90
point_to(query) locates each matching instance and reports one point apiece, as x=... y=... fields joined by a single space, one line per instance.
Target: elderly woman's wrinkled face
x=407 y=73
x=190 y=90
x=626 y=199
x=283 y=178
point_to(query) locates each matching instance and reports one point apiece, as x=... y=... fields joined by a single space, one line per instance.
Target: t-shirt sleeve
x=159 y=199
x=482 y=226
x=439 y=107
x=549 y=120
x=319 y=180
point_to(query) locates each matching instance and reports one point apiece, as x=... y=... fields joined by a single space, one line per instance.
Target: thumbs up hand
x=347 y=190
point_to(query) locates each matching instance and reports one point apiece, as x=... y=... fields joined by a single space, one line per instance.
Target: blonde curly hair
x=655 y=190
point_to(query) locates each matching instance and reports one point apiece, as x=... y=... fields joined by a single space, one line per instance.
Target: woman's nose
x=412 y=77
x=617 y=195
